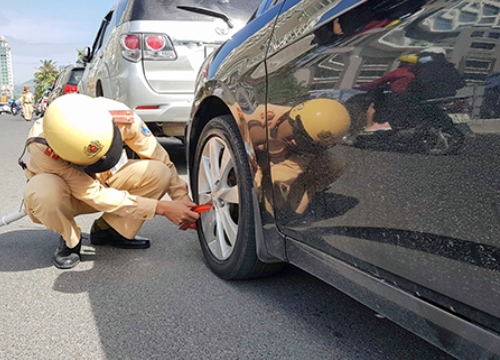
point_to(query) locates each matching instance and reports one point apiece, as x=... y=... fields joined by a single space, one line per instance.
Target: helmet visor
x=112 y=157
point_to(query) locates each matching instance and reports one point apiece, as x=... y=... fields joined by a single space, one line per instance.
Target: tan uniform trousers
x=49 y=197
x=28 y=111
x=297 y=179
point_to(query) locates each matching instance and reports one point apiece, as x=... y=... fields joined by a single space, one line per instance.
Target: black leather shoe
x=103 y=234
x=65 y=257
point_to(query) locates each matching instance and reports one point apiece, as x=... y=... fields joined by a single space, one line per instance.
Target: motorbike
x=15 y=109
x=431 y=126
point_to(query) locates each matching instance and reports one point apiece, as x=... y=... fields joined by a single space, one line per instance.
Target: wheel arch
x=98 y=89
x=210 y=108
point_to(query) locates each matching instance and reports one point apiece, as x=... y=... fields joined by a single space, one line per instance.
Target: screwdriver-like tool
x=199 y=209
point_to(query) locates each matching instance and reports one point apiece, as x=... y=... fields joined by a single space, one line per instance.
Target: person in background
x=27 y=103
x=490 y=107
x=396 y=81
x=435 y=77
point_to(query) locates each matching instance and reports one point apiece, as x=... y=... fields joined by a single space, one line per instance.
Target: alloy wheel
x=217 y=185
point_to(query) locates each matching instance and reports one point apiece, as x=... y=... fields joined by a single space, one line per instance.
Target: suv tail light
x=69 y=88
x=154 y=47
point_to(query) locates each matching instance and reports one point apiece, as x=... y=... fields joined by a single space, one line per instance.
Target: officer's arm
x=89 y=190
x=139 y=138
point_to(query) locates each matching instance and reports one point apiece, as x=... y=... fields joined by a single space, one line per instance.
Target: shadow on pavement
x=23 y=250
x=164 y=303
x=175 y=149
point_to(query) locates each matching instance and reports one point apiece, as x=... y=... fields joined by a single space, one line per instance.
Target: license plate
x=459 y=118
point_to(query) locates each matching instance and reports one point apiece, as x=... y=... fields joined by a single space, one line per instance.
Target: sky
x=54 y=30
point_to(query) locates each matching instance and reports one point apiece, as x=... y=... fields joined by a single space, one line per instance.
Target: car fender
x=270 y=243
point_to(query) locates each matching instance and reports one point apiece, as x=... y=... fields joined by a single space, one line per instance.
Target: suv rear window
x=167 y=9
x=76 y=76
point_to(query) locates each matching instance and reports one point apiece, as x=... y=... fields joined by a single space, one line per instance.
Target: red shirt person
x=397 y=81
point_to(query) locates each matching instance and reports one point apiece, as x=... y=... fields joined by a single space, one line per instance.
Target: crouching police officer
x=77 y=165
x=298 y=143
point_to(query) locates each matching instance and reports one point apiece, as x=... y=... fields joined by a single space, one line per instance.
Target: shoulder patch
x=122 y=116
x=145 y=130
x=49 y=152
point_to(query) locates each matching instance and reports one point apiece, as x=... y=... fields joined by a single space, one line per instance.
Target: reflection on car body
x=403 y=219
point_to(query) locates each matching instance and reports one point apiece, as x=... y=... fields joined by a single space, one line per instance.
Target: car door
x=57 y=86
x=96 y=69
x=427 y=223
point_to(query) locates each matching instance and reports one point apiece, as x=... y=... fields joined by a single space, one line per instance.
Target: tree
x=80 y=57
x=44 y=77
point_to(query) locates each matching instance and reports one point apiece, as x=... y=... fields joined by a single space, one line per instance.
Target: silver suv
x=147 y=54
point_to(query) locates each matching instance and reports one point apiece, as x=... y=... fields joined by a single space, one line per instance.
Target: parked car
x=66 y=82
x=4 y=108
x=41 y=104
x=147 y=54
x=37 y=109
x=277 y=145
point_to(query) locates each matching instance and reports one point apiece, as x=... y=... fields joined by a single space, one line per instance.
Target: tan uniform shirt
x=95 y=192
x=27 y=98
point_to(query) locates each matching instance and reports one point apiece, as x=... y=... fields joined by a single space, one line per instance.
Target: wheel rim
x=217 y=185
x=440 y=143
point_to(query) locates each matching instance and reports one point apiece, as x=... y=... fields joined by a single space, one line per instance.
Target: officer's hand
x=177 y=212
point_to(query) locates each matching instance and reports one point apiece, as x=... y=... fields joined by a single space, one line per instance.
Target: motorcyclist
x=12 y=103
x=396 y=81
x=435 y=77
x=490 y=107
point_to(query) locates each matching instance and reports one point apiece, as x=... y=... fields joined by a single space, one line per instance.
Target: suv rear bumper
x=172 y=108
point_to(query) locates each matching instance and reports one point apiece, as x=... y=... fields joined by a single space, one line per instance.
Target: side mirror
x=86 y=54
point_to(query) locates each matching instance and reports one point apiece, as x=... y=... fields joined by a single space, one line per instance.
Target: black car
x=66 y=82
x=310 y=155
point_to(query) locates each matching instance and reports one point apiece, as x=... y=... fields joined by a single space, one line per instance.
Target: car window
x=76 y=75
x=120 y=8
x=167 y=9
x=110 y=25
x=103 y=32
x=57 y=81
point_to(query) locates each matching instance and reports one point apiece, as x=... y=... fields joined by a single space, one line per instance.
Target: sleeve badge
x=145 y=130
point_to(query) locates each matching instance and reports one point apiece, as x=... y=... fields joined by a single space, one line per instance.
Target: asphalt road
x=163 y=303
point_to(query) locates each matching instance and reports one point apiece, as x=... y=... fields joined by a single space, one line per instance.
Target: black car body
x=405 y=220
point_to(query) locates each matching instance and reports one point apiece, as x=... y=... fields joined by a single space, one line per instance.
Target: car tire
x=443 y=142
x=221 y=176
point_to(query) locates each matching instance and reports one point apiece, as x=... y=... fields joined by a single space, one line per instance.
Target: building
x=6 y=73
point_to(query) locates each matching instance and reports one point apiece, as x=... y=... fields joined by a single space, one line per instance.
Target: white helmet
x=433 y=50
x=81 y=131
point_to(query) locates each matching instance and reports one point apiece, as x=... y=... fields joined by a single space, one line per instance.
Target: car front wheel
x=221 y=177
